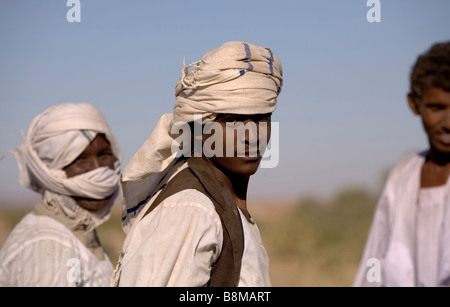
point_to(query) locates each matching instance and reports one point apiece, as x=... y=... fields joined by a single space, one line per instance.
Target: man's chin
x=246 y=166
x=441 y=148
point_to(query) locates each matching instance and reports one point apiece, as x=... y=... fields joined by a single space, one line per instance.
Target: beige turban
x=54 y=140
x=236 y=78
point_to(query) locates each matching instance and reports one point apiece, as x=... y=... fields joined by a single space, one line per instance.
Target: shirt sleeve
x=180 y=240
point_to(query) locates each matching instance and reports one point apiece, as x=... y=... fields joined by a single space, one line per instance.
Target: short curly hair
x=431 y=69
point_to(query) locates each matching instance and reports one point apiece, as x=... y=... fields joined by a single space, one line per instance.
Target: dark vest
x=226 y=270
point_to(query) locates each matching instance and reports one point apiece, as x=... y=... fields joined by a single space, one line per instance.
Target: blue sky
x=343 y=114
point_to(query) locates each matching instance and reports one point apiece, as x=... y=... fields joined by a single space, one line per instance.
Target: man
x=408 y=244
x=185 y=217
x=72 y=159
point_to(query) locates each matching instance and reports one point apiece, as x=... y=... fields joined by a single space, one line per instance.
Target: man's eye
x=436 y=107
x=235 y=119
x=105 y=156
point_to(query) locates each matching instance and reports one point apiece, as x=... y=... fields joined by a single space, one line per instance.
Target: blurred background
x=344 y=120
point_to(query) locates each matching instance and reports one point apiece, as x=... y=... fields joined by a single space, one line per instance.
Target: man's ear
x=413 y=104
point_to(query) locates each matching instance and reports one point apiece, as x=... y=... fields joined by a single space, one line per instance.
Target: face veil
x=55 y=139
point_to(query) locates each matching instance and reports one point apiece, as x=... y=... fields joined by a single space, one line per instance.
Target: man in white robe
x=180 y=242
x=409 y=241
x=72 y=159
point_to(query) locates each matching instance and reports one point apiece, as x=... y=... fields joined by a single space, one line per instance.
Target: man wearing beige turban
x=186 y=215
x=72 y=159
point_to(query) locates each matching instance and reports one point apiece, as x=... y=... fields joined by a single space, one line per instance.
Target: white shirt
x=177 y=243
x=430 y=213
x=407 y=244
x=40 y=251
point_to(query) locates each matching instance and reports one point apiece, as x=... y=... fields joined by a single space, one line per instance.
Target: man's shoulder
x=188 y=197
x=411 y=161
x=190 y=186
x=35 y=231
x=181 y=208
x=405 y=168
x=36 y=228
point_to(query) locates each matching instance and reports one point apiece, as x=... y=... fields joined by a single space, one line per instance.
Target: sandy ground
x=313 y=247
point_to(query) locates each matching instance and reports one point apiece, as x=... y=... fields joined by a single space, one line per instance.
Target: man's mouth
x=444 y=138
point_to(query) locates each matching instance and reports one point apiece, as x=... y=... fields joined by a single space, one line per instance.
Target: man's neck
x=436 y=169
x=439 y=158
x=237 y=184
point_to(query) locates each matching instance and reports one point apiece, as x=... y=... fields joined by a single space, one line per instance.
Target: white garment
x=397 y=233
x=430 y=211
x=177 y=243
x=38 y=252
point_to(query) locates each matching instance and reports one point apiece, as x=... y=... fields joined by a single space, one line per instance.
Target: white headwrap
x=236 y=78
x=54 y=140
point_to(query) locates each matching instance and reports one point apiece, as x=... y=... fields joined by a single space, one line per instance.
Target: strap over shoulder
x=226 y=270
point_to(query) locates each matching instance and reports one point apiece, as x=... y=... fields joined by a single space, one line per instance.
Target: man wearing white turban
x=72 y=159
x=186 y=217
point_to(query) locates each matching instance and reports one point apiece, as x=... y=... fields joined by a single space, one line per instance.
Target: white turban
x=54 y=140
x=236 y=78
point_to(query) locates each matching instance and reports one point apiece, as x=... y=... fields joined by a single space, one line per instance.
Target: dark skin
x=97 y=154
x=235 y=171
x=434 y=109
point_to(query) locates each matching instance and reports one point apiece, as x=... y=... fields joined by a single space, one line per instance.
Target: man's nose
x=252 y=135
